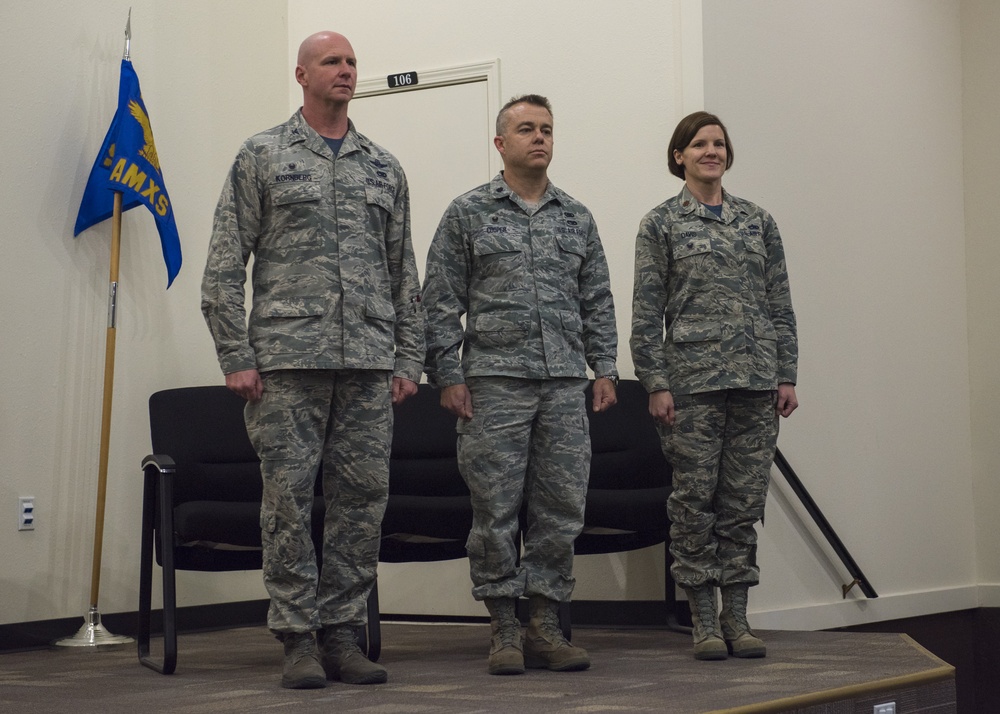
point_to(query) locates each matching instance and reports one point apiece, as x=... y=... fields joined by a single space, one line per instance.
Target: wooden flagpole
x=109 y=384
x=93 y=632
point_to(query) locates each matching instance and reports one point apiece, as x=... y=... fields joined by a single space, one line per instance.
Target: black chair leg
x=565 y=619
x=169 y=576
x=146 y=566
x=169 y=663
x=374 y=634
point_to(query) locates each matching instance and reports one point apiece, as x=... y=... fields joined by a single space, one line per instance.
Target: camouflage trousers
x=340 y=420
x=721 y=447
x=528 y=442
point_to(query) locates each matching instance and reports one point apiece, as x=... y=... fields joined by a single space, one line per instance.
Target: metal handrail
x=825 y=528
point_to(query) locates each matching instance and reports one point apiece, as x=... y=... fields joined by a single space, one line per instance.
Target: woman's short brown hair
x=685 y=132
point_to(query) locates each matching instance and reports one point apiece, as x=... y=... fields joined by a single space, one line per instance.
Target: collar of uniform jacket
x=500 y=190
x=689 y=204
x=299 y=131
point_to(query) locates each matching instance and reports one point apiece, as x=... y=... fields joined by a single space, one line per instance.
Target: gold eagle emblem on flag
x=148 y=150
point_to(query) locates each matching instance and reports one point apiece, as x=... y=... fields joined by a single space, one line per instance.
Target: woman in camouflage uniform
x=714 y=344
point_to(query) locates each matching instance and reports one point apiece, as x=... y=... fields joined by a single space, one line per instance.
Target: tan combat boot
x=506 y=653
x=342 y=658
x=708 y=642
x=544 y=644
x=740 y=639
x=301 y=668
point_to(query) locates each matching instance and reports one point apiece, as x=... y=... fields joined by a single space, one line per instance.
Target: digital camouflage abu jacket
x=335 y=284
x=532 y=284
x=711 y=307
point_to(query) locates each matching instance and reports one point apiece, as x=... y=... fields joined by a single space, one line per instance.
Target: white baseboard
x=860 y=611
x=989 y=595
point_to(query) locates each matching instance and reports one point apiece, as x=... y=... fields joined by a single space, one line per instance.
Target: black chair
x=630 y=481
x=429 y=513
x=201 y=505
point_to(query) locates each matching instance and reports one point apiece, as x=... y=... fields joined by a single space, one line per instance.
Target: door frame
x=488 y=72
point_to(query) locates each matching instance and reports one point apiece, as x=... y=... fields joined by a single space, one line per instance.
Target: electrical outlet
x=887 y=708
x=26 y=513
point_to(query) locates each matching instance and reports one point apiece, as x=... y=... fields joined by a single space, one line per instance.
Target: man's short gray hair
x=535 y=99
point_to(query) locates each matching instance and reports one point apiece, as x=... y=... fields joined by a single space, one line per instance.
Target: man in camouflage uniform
x=335 y=336
x=523 y=262
x=710 y=269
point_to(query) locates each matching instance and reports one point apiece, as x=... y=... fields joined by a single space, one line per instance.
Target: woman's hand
x=787 y=401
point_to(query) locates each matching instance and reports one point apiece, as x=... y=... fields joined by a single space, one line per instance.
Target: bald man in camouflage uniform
x=714 y=343
x=523 y=262
x=335 y=336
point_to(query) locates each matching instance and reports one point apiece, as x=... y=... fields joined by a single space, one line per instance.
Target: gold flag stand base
x=93 y=634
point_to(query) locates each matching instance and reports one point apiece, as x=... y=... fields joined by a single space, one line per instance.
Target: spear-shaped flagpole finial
x=128 y=34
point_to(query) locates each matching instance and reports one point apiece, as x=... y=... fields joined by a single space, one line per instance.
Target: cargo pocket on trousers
x=469 y=433
x=268 y=522
x=475 y=546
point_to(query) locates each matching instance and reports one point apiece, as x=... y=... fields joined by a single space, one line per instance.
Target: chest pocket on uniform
x=755 y=244
x=756 y=252
x=294 y=218
x=498 y=251
x=572 y=248
x=692 y=246
x=379 y=203
x=378 y=197
x=693 y=263
x=287 y=194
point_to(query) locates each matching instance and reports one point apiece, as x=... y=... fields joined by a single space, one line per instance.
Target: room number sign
x=403 y=79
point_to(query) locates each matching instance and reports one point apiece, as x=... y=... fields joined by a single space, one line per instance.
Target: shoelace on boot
x=301 y=647
x=507 y=636
x=736 y=611
x=549 y=627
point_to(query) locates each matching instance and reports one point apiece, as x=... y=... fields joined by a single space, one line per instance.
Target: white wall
x=847 y=122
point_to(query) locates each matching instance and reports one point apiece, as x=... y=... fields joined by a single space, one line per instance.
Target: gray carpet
x=441 y=668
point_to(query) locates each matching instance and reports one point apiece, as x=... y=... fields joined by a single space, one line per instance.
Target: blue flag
x=128 y=163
